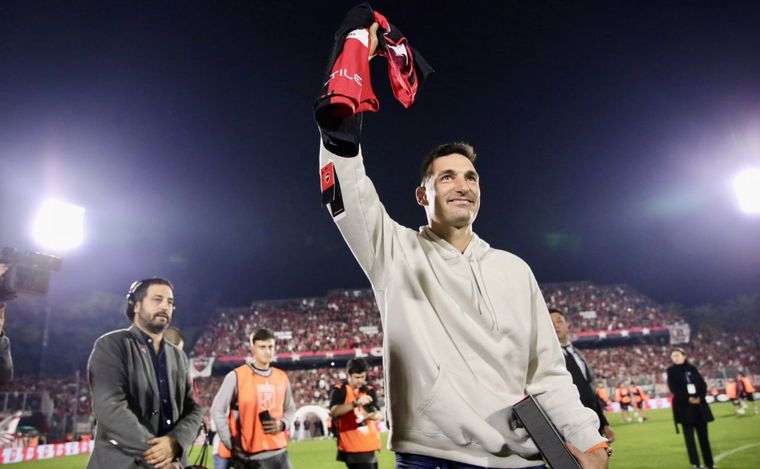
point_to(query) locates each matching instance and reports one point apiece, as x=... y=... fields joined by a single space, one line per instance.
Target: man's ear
x=421 y=194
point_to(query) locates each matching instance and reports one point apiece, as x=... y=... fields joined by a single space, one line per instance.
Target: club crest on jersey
x=265 y=396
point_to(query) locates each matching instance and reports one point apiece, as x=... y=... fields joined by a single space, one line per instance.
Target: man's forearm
x=342 y=409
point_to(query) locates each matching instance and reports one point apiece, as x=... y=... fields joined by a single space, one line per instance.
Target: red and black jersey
x=347 y=89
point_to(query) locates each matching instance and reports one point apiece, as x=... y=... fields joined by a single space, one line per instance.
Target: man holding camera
x=141 y=391
x=253 y=408
x=6 y=361
x=353 y=406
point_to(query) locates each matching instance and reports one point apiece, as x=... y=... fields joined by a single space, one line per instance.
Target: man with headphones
x=141 y=392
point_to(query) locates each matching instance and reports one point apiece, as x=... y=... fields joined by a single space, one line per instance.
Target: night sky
x=608 y=135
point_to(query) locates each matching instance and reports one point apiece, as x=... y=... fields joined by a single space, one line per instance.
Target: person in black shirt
x=689 y=407
x=583 y=377
x=141 y=392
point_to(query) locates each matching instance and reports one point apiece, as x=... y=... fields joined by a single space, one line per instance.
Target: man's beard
x=153 y=327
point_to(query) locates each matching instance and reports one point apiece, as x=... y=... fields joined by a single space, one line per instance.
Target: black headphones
x=136 y=286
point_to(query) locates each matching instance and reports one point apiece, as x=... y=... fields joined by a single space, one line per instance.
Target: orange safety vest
x=730 y=389
x=602 y=394
x=256 y=394
x=623 y=396
x=747 y=384
x=639 y=395
x=352 y=437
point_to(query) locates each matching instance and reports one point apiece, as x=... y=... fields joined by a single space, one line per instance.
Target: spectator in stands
x=353 y=405
x=253 y=409
x=174 y=336
x=461 y=320
x=141 y=389
x=583 y=376
x=689 y=407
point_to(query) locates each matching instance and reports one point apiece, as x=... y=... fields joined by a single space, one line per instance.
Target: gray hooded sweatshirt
x=466 y=336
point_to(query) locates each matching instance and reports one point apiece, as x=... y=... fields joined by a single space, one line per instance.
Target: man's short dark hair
x=356 y=366
x=460 y=148
x=262 y=334
x=557 y=311
x=137 y=293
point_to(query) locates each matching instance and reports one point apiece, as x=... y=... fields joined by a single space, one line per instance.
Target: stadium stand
x=625 y=336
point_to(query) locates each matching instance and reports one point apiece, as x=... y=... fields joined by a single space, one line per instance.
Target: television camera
x=27 y=272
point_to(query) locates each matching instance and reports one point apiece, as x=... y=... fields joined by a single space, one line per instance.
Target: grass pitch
x=735 y=443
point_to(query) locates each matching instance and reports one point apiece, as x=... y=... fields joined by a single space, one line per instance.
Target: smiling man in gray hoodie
x=467 y=332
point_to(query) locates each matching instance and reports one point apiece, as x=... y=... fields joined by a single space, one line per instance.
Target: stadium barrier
x=34 y=453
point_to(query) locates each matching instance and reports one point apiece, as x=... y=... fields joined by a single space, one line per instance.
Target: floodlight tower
x=747 y=188
x=58 y=227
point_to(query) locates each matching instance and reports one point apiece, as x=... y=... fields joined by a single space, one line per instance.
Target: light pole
x=58 y=227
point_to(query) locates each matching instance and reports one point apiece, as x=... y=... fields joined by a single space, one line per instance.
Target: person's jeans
x=416 y=461
x=221 y=463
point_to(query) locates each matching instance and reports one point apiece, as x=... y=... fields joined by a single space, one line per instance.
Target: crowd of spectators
x=719 y=355
x=349 y=319
x=62 y=396
x=52 y=406
x=335 y=322
x=717 y=351
x=592 y=307
x=345 y=319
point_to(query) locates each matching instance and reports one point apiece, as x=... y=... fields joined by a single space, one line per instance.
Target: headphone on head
x=136 y=286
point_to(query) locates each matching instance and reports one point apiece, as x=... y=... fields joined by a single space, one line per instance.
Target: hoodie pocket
x=456 y=418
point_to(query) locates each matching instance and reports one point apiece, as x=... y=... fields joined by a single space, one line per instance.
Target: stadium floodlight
x=59 y=225
x=747 y=188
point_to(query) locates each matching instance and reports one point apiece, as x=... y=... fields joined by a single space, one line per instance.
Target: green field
x=735 y=443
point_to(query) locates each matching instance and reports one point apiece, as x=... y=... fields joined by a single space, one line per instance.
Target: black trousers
x=362 y=465
x=704 y=444
x=279 y=461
